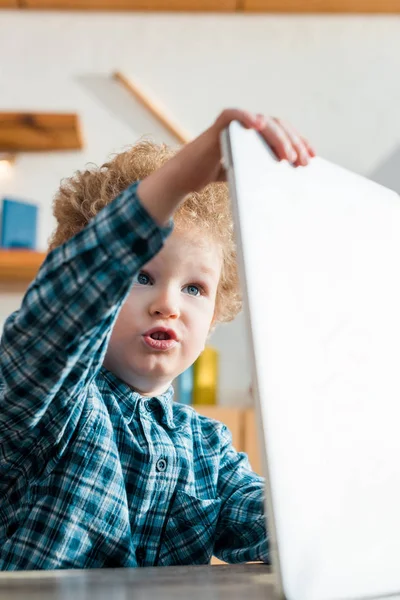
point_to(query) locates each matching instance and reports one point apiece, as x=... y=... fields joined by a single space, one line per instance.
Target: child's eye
x=142 y=278
x=193 y=290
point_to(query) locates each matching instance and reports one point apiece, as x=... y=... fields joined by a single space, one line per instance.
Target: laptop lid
x=319 y=256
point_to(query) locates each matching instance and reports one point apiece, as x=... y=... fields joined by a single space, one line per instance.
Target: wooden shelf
x=19 y=266
x=32 y=132
x=322 y=6
x=136 y=5
x=222 y=6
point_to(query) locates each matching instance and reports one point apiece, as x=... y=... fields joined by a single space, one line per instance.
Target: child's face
x=175 y=290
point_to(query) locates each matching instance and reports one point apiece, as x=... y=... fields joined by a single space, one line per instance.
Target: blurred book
x=183 y=385
x=18 y=224
x=205 y=377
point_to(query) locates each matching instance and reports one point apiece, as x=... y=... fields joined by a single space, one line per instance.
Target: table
x=225 y=582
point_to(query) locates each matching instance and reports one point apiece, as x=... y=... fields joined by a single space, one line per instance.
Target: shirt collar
x=129 y=400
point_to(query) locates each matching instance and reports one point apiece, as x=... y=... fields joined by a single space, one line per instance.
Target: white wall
x=335 y=78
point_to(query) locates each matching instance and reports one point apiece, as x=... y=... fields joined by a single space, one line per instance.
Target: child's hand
x=199 y=163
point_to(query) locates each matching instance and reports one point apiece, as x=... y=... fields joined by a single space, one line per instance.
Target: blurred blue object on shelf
x=184 y=386
x=18 y=224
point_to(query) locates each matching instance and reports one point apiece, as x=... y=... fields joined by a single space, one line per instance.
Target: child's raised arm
x=54 y=345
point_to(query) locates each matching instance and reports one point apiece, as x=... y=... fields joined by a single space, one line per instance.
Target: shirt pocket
x=189 y=535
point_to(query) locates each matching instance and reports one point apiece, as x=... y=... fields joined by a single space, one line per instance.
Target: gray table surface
x=222 y=582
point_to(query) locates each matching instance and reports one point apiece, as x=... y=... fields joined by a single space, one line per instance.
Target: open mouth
x=160 y=339
x=160 y=335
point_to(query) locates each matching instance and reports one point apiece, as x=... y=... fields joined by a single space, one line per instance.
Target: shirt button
x=147 y=405
x=161 y=465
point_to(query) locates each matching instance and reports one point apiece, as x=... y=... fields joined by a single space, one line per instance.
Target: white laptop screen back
x=319 y=252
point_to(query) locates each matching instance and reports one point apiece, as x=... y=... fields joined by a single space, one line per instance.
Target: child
x=98 y=467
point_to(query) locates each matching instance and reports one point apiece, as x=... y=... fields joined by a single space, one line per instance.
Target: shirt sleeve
x=241 y=531
x=54 y=345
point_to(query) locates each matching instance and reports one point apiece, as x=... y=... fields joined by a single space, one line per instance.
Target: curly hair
x=83 y=195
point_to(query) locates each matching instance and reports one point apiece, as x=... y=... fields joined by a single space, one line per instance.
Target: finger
x=296 y=143
x=277 y=138
x=232 y=114
x=310 y=148
x=303 y=149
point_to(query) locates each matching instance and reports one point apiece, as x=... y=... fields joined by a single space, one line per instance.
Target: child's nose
x=165 y=304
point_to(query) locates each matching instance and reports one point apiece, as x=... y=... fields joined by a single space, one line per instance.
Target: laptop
x=319 y=260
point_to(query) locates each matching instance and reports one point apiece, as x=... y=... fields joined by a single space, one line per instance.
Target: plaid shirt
x=91 y=473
